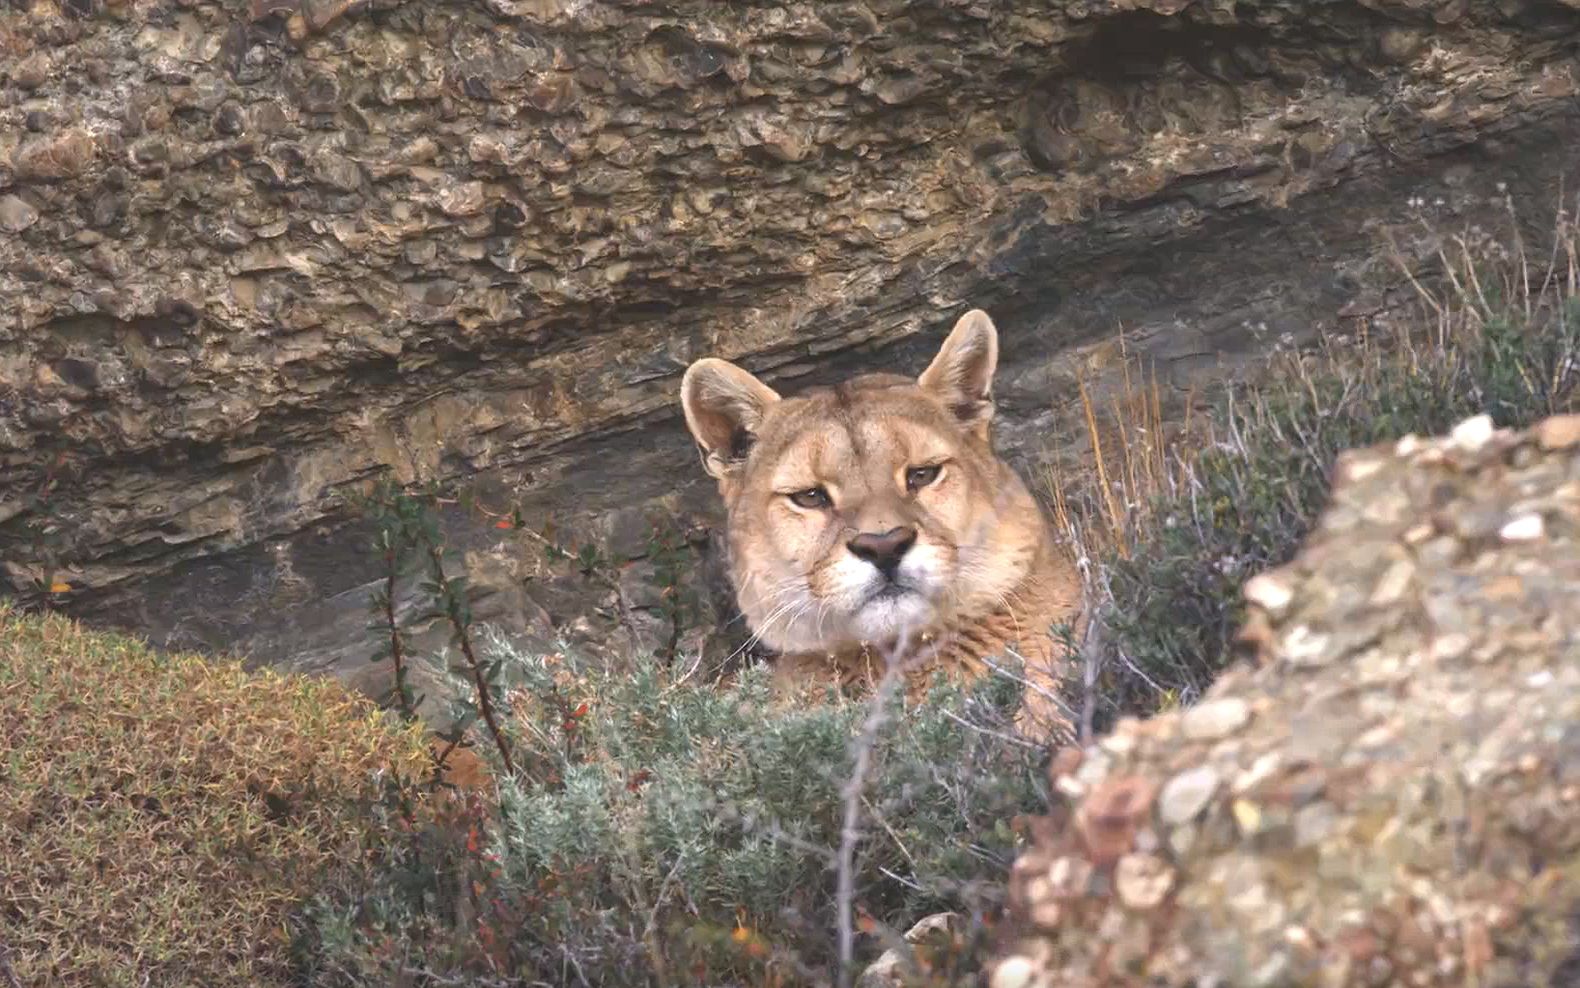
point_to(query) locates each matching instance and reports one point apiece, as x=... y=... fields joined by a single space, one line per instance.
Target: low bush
x=163 y=817
x=664 y=832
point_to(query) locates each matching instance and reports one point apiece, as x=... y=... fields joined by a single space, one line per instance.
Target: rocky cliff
x=1387 y=794
x=255 y=253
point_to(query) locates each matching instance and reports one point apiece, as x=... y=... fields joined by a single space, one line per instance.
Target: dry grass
x=1132 y=446
x=164 y=816
x=1173 y=514
x=1461 y=282
x=1105 y=507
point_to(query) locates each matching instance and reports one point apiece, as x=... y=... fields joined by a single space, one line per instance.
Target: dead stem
x=849 y=833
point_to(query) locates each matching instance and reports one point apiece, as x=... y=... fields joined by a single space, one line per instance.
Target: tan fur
x=817 y=575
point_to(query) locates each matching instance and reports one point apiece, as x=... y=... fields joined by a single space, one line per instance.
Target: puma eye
x=811 y=499
x=918 y=477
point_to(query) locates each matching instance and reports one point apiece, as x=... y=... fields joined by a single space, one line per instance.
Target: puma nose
x=883 y=551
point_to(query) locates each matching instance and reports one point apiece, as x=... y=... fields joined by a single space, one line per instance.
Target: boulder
x=1388 y=792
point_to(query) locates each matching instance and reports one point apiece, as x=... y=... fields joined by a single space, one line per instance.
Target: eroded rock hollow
x=253 y=254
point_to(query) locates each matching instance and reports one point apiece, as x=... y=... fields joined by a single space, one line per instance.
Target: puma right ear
x=961 y=375
x=724 y=405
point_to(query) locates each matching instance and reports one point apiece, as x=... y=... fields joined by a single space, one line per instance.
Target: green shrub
x=164 y=816
x=670 y=833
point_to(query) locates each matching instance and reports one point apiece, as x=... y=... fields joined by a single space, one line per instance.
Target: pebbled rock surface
x=1392 y=797
x=255 y=253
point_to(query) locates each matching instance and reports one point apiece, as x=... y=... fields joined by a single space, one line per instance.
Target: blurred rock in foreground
x=1391 y=797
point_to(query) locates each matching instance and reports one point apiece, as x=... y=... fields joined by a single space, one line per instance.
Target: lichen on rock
x=1386 y=793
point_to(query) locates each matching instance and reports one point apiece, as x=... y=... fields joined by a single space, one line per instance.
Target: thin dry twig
x=849 y=832
x=1397 y=256
x=989 y=731
x=893 y=834
x=908 y=883
x=683 y=677
x=650 y=931
x=1091 y=671
x=1041 y=690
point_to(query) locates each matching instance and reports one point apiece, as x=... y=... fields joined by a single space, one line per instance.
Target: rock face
x=255 y=253
x=1392 y=797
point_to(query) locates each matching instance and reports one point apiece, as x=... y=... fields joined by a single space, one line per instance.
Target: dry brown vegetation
x=163 y=817
x=1142 y=441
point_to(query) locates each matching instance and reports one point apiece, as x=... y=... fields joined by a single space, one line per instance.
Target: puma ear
x=962 y=373
x=724 y=405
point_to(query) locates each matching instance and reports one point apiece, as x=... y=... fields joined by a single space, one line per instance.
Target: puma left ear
x=724 y=404
x=962 y=373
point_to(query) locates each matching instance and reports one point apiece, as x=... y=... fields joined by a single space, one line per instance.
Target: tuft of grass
x=1169 y=538
x=164 y=816
x=1133 y=457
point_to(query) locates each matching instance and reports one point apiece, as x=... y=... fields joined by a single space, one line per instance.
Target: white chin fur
x=891 y=617
x=877 y=619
